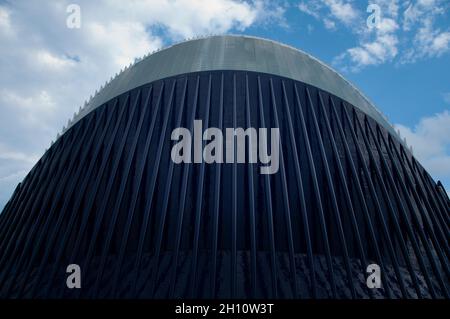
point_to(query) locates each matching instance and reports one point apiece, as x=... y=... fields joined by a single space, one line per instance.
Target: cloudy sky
x=47 y=70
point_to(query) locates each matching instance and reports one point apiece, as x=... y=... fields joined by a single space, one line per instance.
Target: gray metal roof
x=234 y=52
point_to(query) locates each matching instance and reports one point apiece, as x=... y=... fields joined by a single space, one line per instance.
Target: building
x=227 y=167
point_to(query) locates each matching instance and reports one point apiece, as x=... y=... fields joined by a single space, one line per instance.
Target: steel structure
x=108 y=197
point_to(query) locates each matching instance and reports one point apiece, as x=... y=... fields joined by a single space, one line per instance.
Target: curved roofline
x=203 y=58
x=320 y=62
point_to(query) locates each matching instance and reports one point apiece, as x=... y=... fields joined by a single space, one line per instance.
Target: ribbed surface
x=108 y=197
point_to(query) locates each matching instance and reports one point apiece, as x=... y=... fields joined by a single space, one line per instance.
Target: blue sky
x=47 y=70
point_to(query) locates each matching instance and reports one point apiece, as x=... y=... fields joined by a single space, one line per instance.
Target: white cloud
x=48 y=60
x=415 y=12
x=128 y=40
x=40 y=102
x=377 y=45
x=5 y=23
x=420 y=19
x=441 y=43
x=329 y=24
x=8 y=154
x=430 y=140
x=381 y=49
x=34 y=111
x=342 y=10
x=52 y=69
x=428 y=42
x=406 y=31
x=330 y=11
x=311 y=8
x=198 y=17
x=391 y=7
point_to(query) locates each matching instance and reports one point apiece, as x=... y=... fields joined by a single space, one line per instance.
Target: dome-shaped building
x=227 y=167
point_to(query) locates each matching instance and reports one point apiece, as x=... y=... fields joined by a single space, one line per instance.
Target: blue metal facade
x=108 y=197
